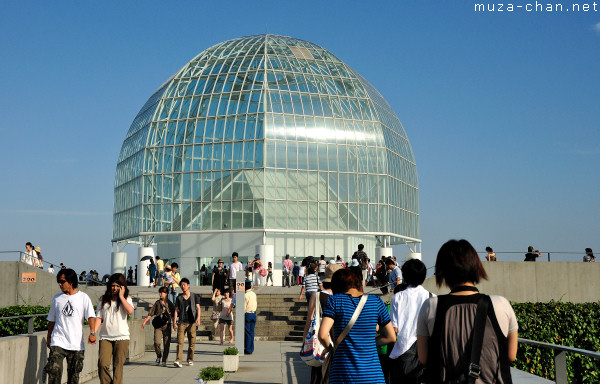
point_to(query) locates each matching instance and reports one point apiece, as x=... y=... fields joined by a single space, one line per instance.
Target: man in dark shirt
x=361 y=256
x=187 y=318
x=531 y=255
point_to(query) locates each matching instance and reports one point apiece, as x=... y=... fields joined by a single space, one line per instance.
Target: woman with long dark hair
x=269 y=273
x=111 y=321
x=445 y=326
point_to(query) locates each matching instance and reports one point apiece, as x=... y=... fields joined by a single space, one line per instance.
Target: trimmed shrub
x=211 y=373
x=230 y=351
x=568 y=324
x=11 y=327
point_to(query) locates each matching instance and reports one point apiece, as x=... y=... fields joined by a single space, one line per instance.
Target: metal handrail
x=560 y=357
x=44 y=260
x=30 y=317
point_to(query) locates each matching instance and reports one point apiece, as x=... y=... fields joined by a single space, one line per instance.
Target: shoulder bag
x=312 y=349
x=162 y=319
x=327 y=365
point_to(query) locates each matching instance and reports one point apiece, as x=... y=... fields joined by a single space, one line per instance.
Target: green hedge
x=10 y=327
x=568 y=324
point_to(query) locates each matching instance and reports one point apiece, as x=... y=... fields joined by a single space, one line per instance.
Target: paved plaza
x=271 y=362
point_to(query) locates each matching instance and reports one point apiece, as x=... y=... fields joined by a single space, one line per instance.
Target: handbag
x=161 y=320
x=214 y=316
x=325 y=370
x=148 y=272
x=312 y=349
x=263 y=272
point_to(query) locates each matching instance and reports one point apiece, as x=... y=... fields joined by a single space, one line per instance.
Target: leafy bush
x=568 y=324
x=230 y=351
x=212 y=373
x=11 y=327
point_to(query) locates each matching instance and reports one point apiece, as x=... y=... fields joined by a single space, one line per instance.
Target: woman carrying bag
x=162 y=310
x=354 y=357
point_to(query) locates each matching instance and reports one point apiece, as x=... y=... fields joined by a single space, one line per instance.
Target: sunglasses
x=62 y=281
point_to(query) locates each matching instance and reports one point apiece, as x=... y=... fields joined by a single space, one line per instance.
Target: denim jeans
x=249 y=324
x=172 y=294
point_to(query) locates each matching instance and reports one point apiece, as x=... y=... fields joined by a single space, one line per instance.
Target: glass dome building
x=265 y=144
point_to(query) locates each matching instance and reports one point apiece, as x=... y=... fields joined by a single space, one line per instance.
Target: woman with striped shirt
x=355 y=359
x=311 y=283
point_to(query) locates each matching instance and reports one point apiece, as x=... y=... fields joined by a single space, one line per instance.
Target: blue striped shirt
x=356 y=360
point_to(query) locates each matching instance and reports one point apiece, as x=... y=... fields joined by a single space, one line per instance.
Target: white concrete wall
x=23 y=357
x=522 y=282
x=16 y=293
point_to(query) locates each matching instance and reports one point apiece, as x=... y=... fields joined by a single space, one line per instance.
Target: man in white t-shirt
x=65 y=329
x=234 y=267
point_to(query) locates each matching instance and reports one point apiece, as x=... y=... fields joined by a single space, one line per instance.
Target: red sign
x=28 y=277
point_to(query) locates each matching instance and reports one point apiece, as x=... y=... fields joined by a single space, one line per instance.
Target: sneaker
x=190 y=363
x=177 y=364
x=164 y=363
x=157 y=360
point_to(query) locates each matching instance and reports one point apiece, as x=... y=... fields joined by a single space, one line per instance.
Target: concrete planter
x=231 y=363
x=220 y=381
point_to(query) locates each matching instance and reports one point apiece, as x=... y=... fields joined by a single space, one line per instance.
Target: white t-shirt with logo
x=114 y=321
x=68 y=312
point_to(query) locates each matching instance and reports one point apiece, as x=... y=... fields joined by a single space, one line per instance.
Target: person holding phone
x=111 y=315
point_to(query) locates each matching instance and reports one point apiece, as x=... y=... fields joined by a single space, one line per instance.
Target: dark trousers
x=232 y=285
x=249 y=324
x=286 y=279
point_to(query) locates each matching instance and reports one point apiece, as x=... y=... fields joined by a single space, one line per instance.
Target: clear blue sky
x=501 y=110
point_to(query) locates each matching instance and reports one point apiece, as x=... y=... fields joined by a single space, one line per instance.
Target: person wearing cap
x=531 y=254
x=316 y=374
x=219 y=277
x=40 y=260
x=250 y=305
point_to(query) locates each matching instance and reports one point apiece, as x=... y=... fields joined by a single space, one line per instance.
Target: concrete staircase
x=280 y=315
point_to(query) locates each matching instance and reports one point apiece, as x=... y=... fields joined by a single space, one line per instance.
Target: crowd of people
x=428 y=337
